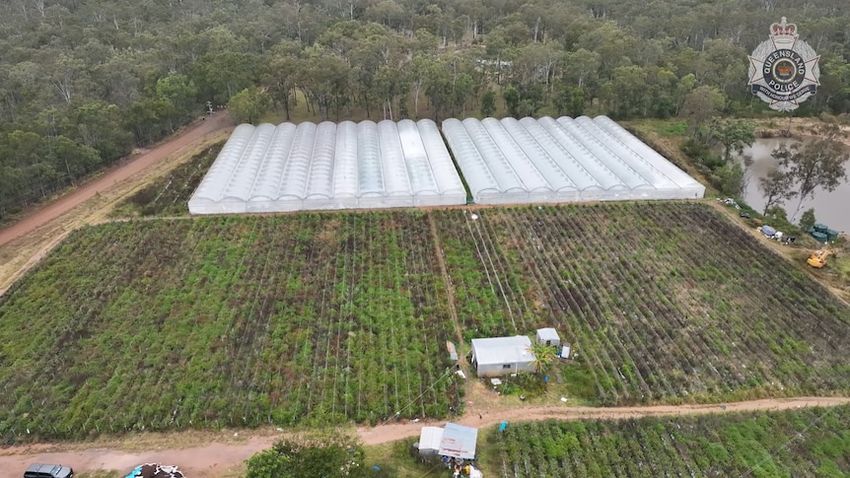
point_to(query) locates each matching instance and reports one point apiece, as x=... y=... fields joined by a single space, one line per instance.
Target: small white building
x=548 y=336
x=458 y=442
x=451 y=441
x=499 y=356
x=429 y=440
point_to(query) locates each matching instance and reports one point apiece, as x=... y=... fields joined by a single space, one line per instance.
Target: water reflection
x=831 y=208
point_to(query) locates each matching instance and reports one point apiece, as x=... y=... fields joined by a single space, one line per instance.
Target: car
x=49 y=471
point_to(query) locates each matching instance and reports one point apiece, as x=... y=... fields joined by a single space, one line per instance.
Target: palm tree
x=544 y=357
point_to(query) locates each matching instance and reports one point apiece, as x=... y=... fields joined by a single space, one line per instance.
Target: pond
x=831 y=208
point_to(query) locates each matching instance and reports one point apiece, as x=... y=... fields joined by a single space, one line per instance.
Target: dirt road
x=128 y=168
x=24 y=243
x=221 y=456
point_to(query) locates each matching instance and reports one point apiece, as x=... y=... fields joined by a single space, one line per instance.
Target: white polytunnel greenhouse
x=271 y=168
x=547 y=160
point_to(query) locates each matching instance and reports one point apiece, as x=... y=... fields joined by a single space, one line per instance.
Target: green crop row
x=811 y=443
x=660 y=301
x=227 y=322
x=325 y=318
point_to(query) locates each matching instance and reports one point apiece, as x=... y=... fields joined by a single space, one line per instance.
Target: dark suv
x=49 y=471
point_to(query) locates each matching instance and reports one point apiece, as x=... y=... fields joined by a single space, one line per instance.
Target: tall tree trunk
x=536 y=29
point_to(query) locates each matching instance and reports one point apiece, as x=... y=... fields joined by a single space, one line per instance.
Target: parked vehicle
x=819 y=258
x=49 y=471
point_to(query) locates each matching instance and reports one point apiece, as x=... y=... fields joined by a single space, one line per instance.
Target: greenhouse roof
x=548 y=160
x=271 y=168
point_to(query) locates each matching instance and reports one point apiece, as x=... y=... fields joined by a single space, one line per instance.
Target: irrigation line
x=411 y=402
x=799 y=434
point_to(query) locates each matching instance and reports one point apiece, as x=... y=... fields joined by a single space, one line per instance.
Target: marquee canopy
x=548 y=160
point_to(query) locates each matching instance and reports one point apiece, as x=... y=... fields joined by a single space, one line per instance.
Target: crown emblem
x=784 y=70
x=783 y=29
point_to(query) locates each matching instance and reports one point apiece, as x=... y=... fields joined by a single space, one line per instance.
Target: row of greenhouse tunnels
x=389 y=164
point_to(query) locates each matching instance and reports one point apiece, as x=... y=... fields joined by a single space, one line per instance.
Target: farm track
x=222 y=453
x=26 y=242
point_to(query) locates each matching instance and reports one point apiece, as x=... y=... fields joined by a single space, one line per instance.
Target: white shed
x=451 y=441
x=498 y=356
x=548 y=336
x=429 y=440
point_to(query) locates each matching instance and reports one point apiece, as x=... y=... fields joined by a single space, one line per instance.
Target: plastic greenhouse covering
x=330 y=166
x=548 y=160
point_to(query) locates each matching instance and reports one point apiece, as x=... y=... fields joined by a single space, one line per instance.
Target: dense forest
x=84 y=81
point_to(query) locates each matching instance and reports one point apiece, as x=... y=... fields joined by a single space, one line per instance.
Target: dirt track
x=130 y=167
x=220 y=456
x=23 y=243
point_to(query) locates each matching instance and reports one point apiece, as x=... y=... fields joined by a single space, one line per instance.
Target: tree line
x=83 y=82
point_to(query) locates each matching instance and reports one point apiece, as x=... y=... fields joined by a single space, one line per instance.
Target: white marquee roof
x=329 y=166
x=548 y=160
x=429 y=438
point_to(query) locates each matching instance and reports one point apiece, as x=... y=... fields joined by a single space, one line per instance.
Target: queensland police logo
x=784 y=70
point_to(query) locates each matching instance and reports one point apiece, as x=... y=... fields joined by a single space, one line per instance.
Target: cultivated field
x=227 y=321
x=241 y=321
x=168 y=195
x=662 y=301
x=811 y=442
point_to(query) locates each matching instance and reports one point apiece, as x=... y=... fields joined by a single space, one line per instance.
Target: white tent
x=330 y=166
x=429 y=440
x=548 y=160
x=498 y=356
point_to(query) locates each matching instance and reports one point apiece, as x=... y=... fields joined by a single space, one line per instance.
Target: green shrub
x=330 y=457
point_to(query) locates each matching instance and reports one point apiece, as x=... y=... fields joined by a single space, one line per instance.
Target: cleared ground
x=220 y=454
x=315 y=318
x=169 y=194
x=812 y=442
x=661 y=301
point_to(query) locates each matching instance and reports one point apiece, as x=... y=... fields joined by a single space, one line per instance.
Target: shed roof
x=458 y=441
x=500 y=350
x=548 y=333
x=430 y=438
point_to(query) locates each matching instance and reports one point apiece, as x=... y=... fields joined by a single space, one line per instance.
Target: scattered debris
x=495 y=382
x=768 y=231
x=730 y=202
x=452 y=351
x=153 y=470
